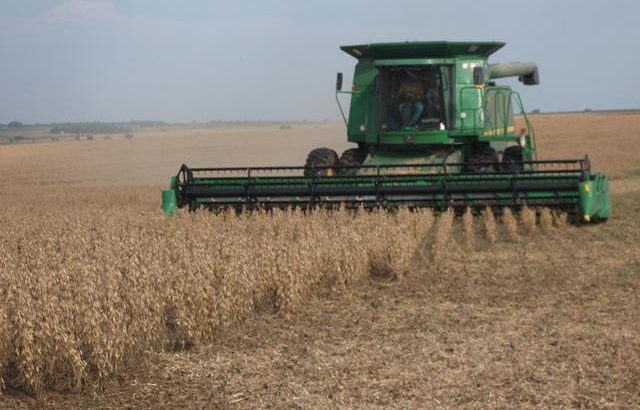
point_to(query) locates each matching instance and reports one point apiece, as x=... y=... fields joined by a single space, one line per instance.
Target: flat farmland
x=549 y=318
x=153 y=155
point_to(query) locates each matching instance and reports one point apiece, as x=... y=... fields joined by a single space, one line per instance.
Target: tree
x=15 y=124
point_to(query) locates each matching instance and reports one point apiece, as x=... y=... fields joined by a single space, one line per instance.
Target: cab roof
x=423 y=49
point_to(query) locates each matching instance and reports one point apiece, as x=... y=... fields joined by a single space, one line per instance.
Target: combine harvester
x=432 y=128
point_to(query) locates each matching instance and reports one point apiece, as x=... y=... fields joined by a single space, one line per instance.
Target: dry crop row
x=85 y=296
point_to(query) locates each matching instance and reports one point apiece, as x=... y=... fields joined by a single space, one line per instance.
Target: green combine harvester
x=431 y=128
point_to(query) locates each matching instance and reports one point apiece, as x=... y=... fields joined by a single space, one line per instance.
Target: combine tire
x=317 y=160
x=512 y=160
x=483 y=161
x=350 y=158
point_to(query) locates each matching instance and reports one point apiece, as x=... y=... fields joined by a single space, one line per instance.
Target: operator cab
x=414 y=98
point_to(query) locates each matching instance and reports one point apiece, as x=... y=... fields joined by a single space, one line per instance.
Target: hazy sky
x=202 y=60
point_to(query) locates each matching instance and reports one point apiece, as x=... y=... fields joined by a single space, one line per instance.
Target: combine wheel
x=317 y=160
x=512 y=160
x=352 y=157
x=483 y=161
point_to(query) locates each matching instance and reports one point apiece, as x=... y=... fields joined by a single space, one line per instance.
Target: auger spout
x=527 y=73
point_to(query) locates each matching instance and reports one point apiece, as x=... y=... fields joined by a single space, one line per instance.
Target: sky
x=204 y=60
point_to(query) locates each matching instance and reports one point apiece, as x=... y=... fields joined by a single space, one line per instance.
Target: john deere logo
x=408 y=138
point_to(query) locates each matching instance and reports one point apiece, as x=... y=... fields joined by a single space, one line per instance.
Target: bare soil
x=548 y=321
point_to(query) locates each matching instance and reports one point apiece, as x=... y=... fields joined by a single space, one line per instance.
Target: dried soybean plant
x=490 y=230
x=87 y=294
x=510 y=224
x=560 y=219
x=528 y=220
x=392 y=256
x=546 y=221
x=443 y=238
x=467 y=222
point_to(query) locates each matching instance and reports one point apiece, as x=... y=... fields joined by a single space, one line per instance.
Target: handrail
x=530 y=130
x=504 y=101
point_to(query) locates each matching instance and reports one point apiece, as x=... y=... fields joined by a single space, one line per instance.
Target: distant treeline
x=590 y=111
x=89 y=128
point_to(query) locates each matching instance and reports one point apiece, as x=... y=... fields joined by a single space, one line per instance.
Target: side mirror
x=339 y=82
x=478 y=75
